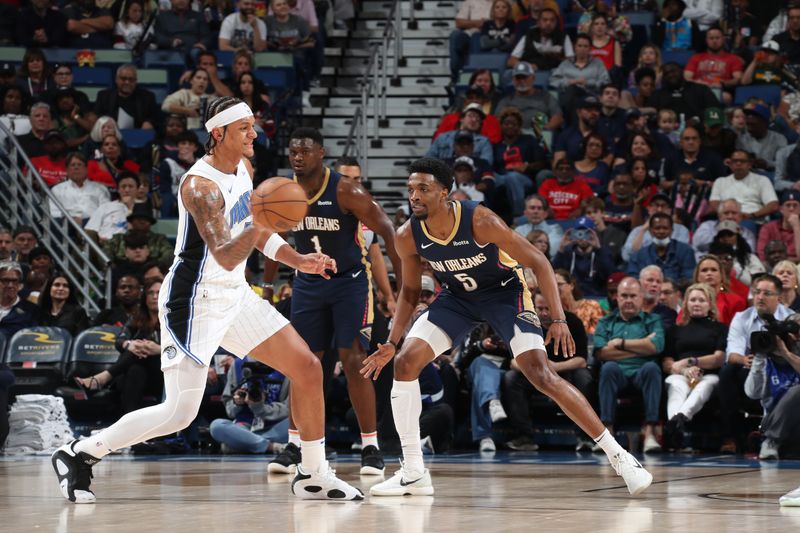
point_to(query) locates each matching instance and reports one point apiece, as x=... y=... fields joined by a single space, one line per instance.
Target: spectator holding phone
x=581 y=254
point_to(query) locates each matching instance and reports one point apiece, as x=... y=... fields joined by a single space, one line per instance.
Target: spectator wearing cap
x=518 y=157
x=754 y=191
x=41 y=122
x=759 y=140
x=141 y=220
x=569 y=141
x=640 y=236
x=111 y=218
x=746 y=264
x=728 y=211
x=704 y=164
x=469 y=20
x=611 y=237
x=79 y=196
x=716 y=68
x=73 y=125
x=172 y=169
x=39 y=24
x=467 y=179
x=675 y=258
x=574 y=78
x=563 y=192
x=136 y=255
x=539 y=109
x=787 y=229
x=127 y=103
x=789 y=40
x=766 y=68
x=717 y=139
x=89 y=26
x=684 y=97
x=8 y=75
x=544 y=44
x=443 y=147
x=497 y=33
x=612 y=283
x=583 y=256
x=25 y=240
x=473 y=105
x=536 y=212
x=52 y=166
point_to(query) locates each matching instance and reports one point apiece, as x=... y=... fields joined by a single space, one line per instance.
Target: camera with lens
x=582 y=234
x=765 y=341
x=256 y=376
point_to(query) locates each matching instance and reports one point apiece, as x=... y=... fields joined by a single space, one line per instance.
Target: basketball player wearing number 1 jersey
x=474 y=256
x=337 y=312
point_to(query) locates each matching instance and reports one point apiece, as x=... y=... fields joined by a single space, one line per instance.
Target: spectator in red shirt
x=106 y=169
x=53 y=165
x=564 y=193
x=716 y=67
x=487 y=125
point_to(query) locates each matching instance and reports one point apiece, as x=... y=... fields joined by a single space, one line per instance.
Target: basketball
x=279 y=204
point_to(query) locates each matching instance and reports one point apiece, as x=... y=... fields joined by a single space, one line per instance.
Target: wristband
x=559 y=321
x=274 y=242
x=692 y=361
x=394 y=345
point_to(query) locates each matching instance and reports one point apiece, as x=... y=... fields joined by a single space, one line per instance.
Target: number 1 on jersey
x=317 y=246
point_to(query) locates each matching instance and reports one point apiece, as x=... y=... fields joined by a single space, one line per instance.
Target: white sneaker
x=769 y=450
x=403 y=483
x=323 y=486
x=74 y=471
x=636 y=477
x=791 y=499
x=427 y=445
x=487 y=445
x=651 y=445
x=496 y=411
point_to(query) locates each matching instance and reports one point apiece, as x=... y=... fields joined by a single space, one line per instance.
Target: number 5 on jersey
x=469 y=283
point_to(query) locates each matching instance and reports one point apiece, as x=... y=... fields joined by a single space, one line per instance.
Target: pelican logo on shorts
x=170 y=352
x=367 y=332
x=530 y=317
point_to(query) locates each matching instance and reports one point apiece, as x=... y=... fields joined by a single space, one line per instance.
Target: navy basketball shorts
x=510 y=313
x=333 y=312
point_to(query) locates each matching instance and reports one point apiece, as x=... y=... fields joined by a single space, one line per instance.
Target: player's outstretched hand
x=317 y=263
x=564 y=343
x=375 y=362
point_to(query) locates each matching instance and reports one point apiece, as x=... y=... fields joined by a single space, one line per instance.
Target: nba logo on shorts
x=367 y=333
x=531 y=318
x=170 y=352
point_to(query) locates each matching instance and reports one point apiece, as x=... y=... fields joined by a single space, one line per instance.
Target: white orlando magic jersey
x=194 y=266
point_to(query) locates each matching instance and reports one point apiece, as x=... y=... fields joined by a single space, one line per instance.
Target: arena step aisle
x=414 y=107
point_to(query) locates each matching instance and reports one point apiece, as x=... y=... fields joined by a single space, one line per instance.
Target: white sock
x=369 y=439
x=94 y=446
x=609 y=444
x=312 y=453
x=406 y=407
x=294 y=437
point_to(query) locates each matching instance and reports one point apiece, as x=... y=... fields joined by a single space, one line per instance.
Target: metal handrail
x=373 y=86
x=27 y=200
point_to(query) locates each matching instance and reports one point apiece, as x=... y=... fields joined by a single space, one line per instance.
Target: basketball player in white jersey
x=205 y=302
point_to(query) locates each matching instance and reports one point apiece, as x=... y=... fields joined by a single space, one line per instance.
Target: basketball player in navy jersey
x=205 y=302
x=337 y=312
x=474 y=256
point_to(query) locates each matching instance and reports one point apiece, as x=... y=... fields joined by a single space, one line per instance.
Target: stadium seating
x=769 y=93
x=36 y=356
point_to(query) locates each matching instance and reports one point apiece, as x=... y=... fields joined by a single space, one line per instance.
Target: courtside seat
x=37 y=357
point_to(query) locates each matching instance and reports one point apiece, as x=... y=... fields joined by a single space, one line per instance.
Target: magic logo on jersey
x=461 y=263
x=240 y=210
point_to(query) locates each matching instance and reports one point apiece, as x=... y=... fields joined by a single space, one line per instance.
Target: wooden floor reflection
x=529 y=494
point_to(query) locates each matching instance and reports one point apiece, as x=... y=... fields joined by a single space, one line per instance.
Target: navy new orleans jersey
x=461 y=265
x=334 y=311
x=329 y=230
x=479 y=284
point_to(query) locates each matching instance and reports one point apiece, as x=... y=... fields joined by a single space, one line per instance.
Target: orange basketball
x=279 y=204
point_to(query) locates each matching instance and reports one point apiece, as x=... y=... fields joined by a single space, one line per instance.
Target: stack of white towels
x=38 y=425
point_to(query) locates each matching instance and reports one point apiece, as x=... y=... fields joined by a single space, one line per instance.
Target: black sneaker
x=523 y=443
x=371 y=461
x=286 y=462
x=674 y=431
x=74 y=471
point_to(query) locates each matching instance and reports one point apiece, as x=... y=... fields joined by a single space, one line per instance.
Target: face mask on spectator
x=662 y=242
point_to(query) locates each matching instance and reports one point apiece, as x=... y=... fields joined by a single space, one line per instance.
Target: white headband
x=229 y=116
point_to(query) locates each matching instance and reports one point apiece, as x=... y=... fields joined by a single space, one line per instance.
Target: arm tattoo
x=205 y=204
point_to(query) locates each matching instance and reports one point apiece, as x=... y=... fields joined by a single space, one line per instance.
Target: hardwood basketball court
x=540 y=492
